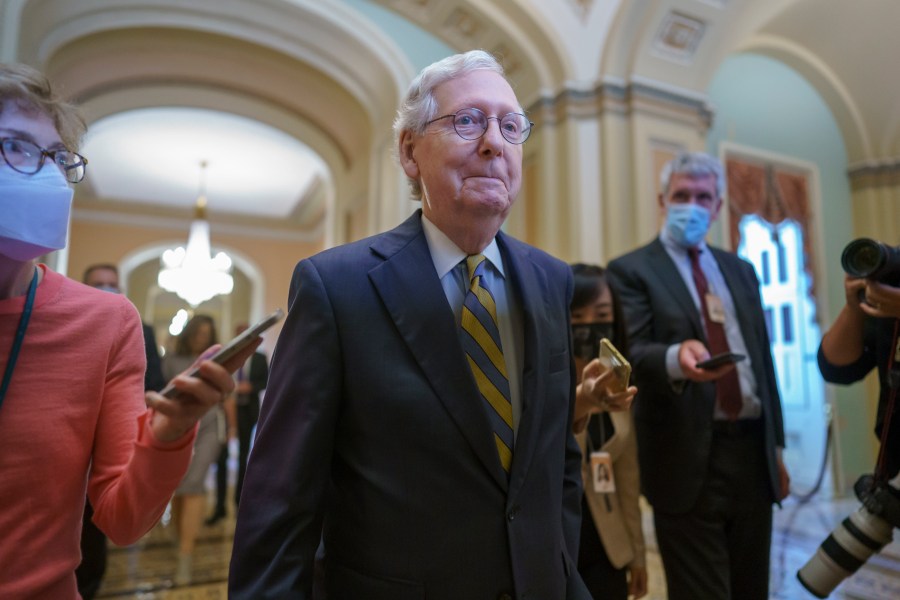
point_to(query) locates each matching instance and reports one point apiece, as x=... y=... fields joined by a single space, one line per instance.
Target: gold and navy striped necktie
x=481 y=343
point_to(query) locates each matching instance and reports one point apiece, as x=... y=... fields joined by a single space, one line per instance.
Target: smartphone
x=233 y=347
x=720 y=359
x=611 y=358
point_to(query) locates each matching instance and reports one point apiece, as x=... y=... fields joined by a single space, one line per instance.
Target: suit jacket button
x=505 y=596
x=513 y=512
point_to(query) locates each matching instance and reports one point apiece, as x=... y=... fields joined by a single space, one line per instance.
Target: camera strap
x=893 y=374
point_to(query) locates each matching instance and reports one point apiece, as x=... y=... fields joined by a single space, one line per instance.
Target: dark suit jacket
x=373 y=421
x=258 y=376
x=674 y=423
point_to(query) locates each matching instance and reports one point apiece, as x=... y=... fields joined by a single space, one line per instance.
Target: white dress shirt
x=449 y=262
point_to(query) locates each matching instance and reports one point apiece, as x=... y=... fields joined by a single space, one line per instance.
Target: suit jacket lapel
x=411 y=291
x=666 y=270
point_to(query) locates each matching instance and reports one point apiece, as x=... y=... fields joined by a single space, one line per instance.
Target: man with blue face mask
x=709 y=439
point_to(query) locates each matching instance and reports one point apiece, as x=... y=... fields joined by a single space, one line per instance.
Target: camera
x=872 y=260
x=856 y=539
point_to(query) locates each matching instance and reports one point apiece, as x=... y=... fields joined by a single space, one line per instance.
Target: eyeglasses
x=28 y=158
x=471 y=124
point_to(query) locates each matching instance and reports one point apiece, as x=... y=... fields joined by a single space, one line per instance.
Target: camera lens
x=863 y=257
x=858 y=537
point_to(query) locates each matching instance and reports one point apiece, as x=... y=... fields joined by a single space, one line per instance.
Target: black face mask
x=586 y=339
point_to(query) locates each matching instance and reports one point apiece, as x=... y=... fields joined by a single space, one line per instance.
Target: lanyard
x=596 y=432
x=20 y=337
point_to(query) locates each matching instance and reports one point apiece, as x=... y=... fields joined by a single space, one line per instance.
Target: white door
x=777 y=253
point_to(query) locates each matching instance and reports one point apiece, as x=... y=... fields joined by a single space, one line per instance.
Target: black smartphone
x=233 y=347
x=720 y=359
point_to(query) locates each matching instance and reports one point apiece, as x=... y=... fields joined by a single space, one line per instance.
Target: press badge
x=716 y=308
x=602 y=473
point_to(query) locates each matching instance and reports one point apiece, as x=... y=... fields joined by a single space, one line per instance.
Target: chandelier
x=191 y=272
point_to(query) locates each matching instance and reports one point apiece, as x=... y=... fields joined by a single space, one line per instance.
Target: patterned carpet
x=145 y=571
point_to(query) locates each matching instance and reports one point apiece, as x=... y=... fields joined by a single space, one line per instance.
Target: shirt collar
x=446 y=255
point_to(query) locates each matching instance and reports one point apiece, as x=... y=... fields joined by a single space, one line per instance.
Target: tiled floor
x=144 y=571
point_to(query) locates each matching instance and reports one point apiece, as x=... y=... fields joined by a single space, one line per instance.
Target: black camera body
x=871 y=259
x=856 y=539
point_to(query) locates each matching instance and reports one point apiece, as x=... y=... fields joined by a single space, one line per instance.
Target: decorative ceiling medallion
x=463 y=23
x=678 y=37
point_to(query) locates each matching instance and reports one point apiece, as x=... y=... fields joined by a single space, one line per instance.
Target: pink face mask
x=35 y=211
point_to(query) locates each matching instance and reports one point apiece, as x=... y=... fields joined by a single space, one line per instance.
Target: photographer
x=864 y=336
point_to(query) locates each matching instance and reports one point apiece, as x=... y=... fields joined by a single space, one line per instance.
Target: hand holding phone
x=612 y=359
x=720 y=359
x=233 y=348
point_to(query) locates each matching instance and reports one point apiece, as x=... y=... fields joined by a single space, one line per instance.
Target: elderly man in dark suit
x=419 y=409
x=709 y=440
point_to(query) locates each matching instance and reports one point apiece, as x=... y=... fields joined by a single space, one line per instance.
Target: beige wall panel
x=553 y=195
x=618 y=233
x=876 y=213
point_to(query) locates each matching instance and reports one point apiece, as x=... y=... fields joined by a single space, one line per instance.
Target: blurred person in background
x=611 y=557
x=709 y=439
x=250 y=380
x=865 y=336
x=189 y=502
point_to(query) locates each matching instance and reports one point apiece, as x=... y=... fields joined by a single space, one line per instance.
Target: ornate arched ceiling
x=111 y=61
x=843 y=49
x=272 y=61
x=515 y=32
x=323 y=70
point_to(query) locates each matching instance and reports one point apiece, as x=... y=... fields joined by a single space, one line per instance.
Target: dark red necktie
x=728 y=388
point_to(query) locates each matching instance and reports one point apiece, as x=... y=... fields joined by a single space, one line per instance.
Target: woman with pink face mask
x=73 y=418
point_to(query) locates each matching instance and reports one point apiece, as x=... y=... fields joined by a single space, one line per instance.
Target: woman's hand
x=173 y=417
x=637 y=582
x=593 y=394
x=881 y=300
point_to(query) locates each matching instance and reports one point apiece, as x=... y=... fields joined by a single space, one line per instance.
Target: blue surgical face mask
x=687 y=223
x=35 y=211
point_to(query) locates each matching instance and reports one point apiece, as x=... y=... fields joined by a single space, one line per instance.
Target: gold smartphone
x=611 y=358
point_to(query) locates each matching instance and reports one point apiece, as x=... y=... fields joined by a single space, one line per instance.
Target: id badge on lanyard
x=716 y=308
x=602 y=472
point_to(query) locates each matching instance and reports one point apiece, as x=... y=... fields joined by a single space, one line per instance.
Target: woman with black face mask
x=611 y=557
x=73 y=417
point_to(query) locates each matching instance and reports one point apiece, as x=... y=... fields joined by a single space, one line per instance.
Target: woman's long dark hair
x=183 y=344
x=589 y=283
